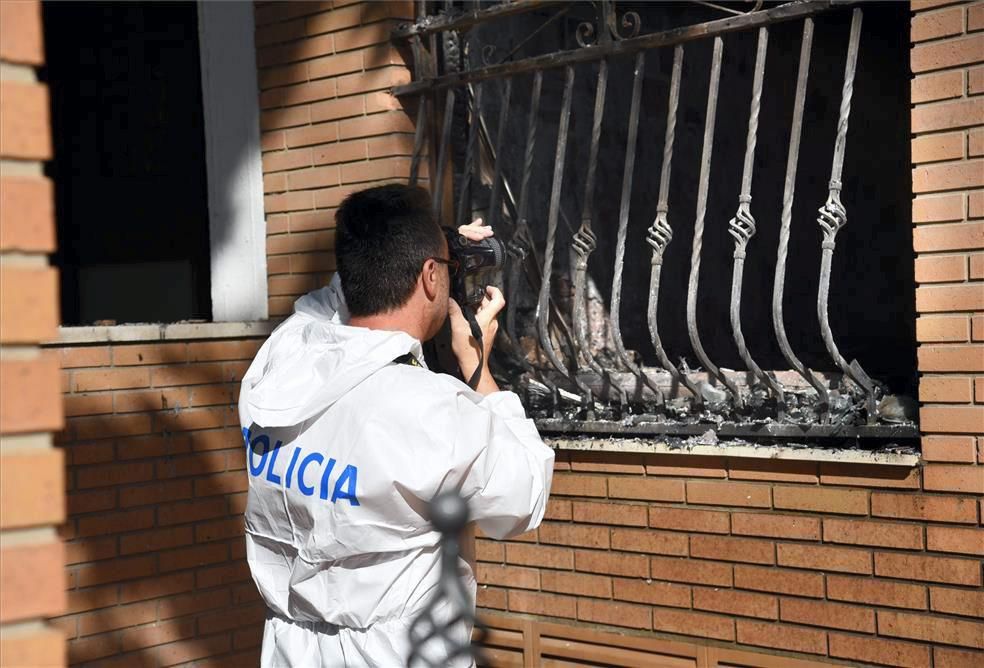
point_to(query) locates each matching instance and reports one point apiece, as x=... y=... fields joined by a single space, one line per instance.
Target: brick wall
x=329 y=126
x=156 y=487
x=860 y=563
x=31 y=498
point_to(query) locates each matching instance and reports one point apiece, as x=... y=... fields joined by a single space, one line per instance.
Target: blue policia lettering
x=263 y=469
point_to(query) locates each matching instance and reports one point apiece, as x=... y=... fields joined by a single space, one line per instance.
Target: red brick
x=779 y=581
x=39 y=646
x=611 y=563
x=610 y=513
x=156 y=587
x=842 y=501
x=975 y=81
x=938 y=208
x=734 y=602
x=936 y=148
x=87 y=404
x=490 y=597
x=828 y=615
x=877 y=534
x=954 y=477
x=687 y=466
x=947 y=657
x=937 y=86
x=488 y=550
x=219 y=530
x=375 y=170
x=931 y=629
x=117 y=617
x=83 y=356
x=943 y=329
x=928 y=569
x=779 y=470
x=155 y=493
x=181 y=652
x=685 y=519
x=88 y=649
x=733 y=549
x=614 y=614
x=157 y=634
x=945 y=237
x=876 y=592
x=937 y=24
x=113 y=523
x=824 y=558
x=946 y=54
x=728 y=494
x=191 y=557
x=25 y=594
x=90 y=502
x=691 y=570
x=536 y=603
x=578 y=584
x=649 y=541
x=957 y=601
x=574 y=535
x=25 y=124
x=648 y=489
x=375 y=124
x=220 y=575
x=193 y=602
x=924 y=507
x=32 y=229
x=191 y=511
x=21 y=41
x=335 y=65
x=777 y=636
x=540 y=555
x=109 y=426
x=651 y=592
x=945 y=389
x=509 y=576
x=947 y=115
x=769 y=525
x=694 y=624
x=28 y=304
x=949 y=358
x=31 y=488
x=156 y=540
x=878 y=650
x=578 y=485
x=941 y=268
x=957 y=540
x=115 y=570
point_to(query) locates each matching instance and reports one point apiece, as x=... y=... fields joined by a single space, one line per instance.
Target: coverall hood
x=309 y=366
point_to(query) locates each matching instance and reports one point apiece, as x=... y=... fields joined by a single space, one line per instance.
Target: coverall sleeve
x=509 y=481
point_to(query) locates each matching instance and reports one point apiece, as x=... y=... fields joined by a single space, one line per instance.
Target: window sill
x=180 y=331
x=886 y=457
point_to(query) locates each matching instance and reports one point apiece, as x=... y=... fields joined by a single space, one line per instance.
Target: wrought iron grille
x=567 y=378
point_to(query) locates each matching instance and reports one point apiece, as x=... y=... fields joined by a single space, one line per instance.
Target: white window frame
x=230 y=100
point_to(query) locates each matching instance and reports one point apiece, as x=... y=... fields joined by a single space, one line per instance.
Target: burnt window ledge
x=886 y=456
x=179 y=331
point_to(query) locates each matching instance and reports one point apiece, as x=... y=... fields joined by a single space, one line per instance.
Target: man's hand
x=475 y=230
x=464 y=345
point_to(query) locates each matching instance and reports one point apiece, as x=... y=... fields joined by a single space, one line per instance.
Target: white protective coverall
x=344 y=450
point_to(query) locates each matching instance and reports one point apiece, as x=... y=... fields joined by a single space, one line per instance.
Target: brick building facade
x=695 y=559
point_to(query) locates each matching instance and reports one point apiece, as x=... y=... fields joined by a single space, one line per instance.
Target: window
x=156 y=168
x=551 y=167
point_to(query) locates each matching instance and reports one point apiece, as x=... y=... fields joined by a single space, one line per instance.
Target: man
x=349 y=436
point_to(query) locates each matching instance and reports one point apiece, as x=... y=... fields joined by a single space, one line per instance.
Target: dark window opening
x=129 y=161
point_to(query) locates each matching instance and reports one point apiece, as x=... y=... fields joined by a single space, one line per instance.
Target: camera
x=475 y=259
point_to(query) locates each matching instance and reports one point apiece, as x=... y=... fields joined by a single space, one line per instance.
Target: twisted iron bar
x=467 y=176
x=623 y=225
x=448 y=515
x=585 y=242
x=495 y=207
x=442 y=154
x=542 y=306
x=418 y=140
x=742 y=226
x=705 y=175
x=587 y=35
x=833 y=216
x=786 y=219
x=660 y=233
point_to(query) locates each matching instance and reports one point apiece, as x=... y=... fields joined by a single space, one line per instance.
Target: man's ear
x=429 y=279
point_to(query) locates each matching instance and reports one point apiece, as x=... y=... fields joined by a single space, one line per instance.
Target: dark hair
x=384 y=235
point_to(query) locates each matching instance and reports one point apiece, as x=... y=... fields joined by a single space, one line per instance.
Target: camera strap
x=476 y=332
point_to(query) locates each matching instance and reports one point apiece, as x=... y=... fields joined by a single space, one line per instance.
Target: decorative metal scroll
x=433 y=638
x=569 y=366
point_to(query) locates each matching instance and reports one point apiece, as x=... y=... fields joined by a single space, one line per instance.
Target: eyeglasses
x=453 y=265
